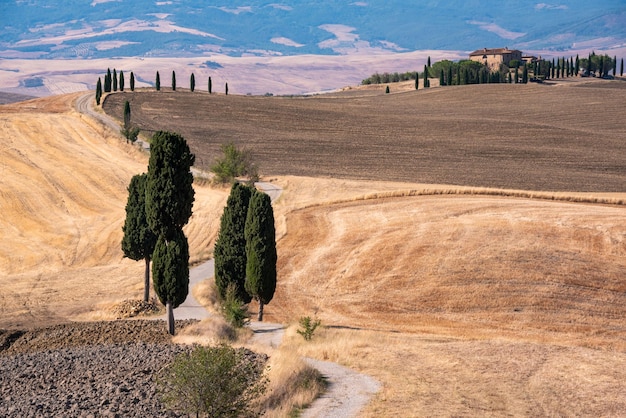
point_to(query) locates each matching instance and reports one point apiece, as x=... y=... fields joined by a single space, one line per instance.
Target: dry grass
x=487 y=303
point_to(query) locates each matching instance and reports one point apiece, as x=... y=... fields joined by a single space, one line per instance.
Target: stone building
x=494 y=57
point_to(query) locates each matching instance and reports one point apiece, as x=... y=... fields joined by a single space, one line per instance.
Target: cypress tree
x=121 y=80
x=417 y=80
x=98 y=91
x=114 y=80
x=230 y=246
x=169 y=203
x=158 y=82
x=260 y=250
x=139 y=240
x=510 y=80
x=107 y=81
x=621 y=67
x=132 y=81
x=387 y=90
x=428 y=61
x=170 y=272
x=226 y=89
x=210 y=86
x=577 y=65
x=525 y=75
x=173 y=81
x=192 y=82
x=126 y=115
x=442 y=82
x=449 y=80
x=614 y=66
x=458 y=76
x=516 y=75
x=426 y=84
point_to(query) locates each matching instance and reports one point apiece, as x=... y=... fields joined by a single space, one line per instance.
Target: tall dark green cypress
x=158 y=82
x=449 y=78
x=132 y=81
x=174 y=80
x=261 y=253
x=121 y=80
x=230 y=246
x=525 y=75
x=192 y=82
x=126 y=114
x=98 y=91
x=577 y=65
x=442 y=81
x=169 y=204
x=621 y=68
x=107 y=81
x=426 y=83
x=614 y=66
x=114 y=80
x=210 y=86
x=226 y=89
x=139 y=240
x=417 y=80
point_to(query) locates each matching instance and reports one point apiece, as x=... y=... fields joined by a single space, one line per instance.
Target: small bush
x=130 y=134
x=234 y=310
x=235 y=163
x=308 y=327
x=213 y=381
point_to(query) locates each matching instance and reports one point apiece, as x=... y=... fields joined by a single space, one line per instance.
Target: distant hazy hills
x=179 y=28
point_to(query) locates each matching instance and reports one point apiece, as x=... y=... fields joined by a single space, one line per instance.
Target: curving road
x=348 y=391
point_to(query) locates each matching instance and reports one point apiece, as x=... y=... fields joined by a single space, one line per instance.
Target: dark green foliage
x=235 y=163
x=192 y=82
x=126 y=114
x=132 y=81
x=525 y=74
x=170 y=268
x=442 y=81
x=121 y=80
x=428 y=61
x=261 y=254
x=158 y=82
x=127 y=130
x=417 y=81
x=210 y=86
x=139 y=240
x=449 y=79
x=114 y=80
x=387 y=90
x=226 y=89
x=621 y=68
x=308 y=327
x=173 y=80
x=169 y=194
x=107 y=81
x=577 y=65
x=235 y=311
x=614 y=66
x=214 y=382
x=98 y=91
x=230 y=246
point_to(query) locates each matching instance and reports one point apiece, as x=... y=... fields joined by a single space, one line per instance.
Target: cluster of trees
x=159 y=205
x=245 y=250
x=472 y=72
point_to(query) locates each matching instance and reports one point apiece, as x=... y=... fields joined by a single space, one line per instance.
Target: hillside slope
x=63 y=192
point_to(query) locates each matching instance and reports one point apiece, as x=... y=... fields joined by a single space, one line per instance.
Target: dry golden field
x=479 y=303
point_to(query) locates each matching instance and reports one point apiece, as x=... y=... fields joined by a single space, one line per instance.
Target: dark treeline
x=472 y=72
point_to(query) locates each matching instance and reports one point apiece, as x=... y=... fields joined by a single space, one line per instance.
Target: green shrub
x=308 y=327
x=235 y=163
x=234 y=310
x=214 y=382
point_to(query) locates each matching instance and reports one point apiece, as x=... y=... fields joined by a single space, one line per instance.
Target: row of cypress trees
x=245 y=250
x=111 y=83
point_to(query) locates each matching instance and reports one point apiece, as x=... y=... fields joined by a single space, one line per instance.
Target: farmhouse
x=494 y=57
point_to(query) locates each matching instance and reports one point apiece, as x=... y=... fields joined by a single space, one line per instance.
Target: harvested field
x=565 y=137
x=459 y=304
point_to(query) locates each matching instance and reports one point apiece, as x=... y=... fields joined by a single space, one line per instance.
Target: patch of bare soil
x=529 y=137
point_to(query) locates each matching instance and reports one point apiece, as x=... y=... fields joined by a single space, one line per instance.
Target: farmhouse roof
x=493 y=51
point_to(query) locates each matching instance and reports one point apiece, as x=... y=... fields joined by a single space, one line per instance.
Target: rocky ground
x=103 y=369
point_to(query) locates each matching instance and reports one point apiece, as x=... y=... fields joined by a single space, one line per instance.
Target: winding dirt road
x=348 y=391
